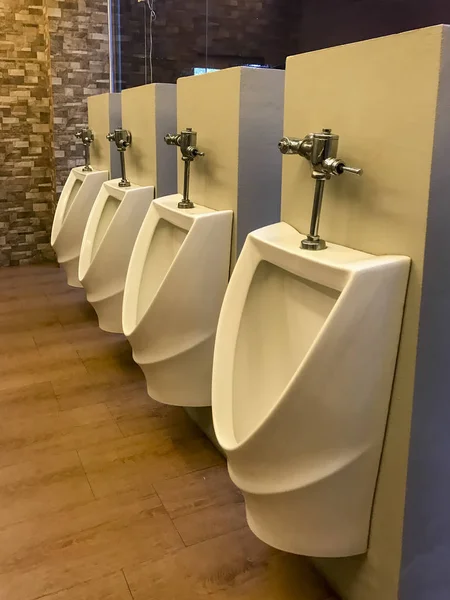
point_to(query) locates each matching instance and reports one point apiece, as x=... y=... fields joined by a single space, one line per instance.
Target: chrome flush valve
x=320 y=149
x=87 y=137
x=122 y=139
x=187 y=142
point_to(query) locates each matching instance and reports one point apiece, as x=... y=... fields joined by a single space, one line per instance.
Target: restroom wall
x=238 y=115
x=150 y=112
x=53 y=54
x=79 y=53
x=381 y=97
x=346 y=21
x=238 y=33
x=26 y=160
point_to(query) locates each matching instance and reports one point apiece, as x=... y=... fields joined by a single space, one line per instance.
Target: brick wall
x=349 y=21
x=79 y=53
x=53 y=54
x=261 y=30
x=26 y=185
x=239 y=32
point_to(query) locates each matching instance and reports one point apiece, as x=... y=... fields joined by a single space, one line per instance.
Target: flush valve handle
x=336 y=166
x=191 y=152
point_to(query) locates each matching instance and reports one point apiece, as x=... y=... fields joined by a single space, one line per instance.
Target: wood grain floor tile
x=43 y=556
x=231 y=567
x=153 y=416
x=65 y=296
x=92 y=342
x=211 y=522
x=131 y=401
x=136 y=462
x=110 y=587
x=44 y=434
x=82 y=449
x=203 y=504
x=23 y=321
x=26 y=401
x=115 y=369
x=40 y=486
x=88 y=415
x=29 y=366
x=43 y=337
x=54 y=347
x=14 y=343
x=85 y=390
x=70 y=314
x=195 y=491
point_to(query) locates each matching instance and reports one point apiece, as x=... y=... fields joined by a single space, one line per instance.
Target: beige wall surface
x=238 y=115
x=380 y=96
x=210 y=105
x=138 y=116
x=103 y=116
x=149 y=111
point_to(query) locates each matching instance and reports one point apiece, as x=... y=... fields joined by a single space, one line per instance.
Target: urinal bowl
x=71 y=215
x=108 y=241
x=175 y=285
x=303 y=368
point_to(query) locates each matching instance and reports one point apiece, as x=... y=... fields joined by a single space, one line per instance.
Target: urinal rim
x=256 y=242
x=111 y=189
x=77 y=176
x=85 y=176
x=161 y=206
x=153 y=214
x=291 y=382
x=96 y=213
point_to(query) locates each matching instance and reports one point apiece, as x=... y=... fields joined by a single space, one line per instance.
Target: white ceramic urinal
x=108 y=241
x=175 y=286
x=303 y=368
x=71 y=215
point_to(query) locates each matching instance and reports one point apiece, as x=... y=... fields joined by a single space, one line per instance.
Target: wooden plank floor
x=104 y=493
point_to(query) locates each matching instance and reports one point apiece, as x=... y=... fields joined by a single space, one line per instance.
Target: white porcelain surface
x=303 y=367
x=108 y=241
x=71 y=215
x=175 y=285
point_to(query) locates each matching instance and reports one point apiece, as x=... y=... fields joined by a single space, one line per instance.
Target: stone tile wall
x=26 y=162
x=79 y=54
x=239 y=32
x=53 y=54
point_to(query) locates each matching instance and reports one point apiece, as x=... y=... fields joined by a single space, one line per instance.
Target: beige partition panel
x=149 y=112
x=104 y=115
x=238 y=115
x=382 y=97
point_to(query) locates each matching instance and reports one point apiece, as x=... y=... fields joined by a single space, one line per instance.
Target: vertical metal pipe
x=317 y=207
x=87 y=157
x=124 y=182
x=187 y=177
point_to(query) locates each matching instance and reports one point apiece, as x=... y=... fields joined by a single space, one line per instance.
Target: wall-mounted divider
x=149 y=112
x=238 y=115
x=387 y=100
x=104 y=115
